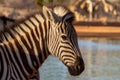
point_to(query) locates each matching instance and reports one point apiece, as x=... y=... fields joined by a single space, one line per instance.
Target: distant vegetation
x=43 y=2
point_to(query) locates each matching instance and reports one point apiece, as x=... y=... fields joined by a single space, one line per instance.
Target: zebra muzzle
x=77 y=69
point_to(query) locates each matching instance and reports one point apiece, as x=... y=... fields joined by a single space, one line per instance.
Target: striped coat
x=25 y=46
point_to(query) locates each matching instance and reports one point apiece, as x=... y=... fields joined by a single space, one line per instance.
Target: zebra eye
x=64 y=37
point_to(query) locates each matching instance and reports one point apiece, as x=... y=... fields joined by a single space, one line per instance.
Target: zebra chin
x=77 y=69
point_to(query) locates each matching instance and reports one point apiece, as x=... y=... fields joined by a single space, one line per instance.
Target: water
x=102 y=62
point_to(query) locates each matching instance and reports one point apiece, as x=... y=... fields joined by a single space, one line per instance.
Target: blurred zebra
x=5 y=21
x=25 y=46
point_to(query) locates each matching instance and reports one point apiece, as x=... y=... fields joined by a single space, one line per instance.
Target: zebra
x=26 y=45
x=5 y=21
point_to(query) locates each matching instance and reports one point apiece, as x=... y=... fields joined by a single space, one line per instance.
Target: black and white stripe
x=25 y=46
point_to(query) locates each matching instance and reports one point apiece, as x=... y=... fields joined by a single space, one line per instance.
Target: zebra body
x=25 y=46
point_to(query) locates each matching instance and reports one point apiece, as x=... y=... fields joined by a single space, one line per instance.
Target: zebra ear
x=69 y=17
x=49 y=15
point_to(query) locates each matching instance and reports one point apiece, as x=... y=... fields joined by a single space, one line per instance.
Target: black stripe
x=1 y=62
x=7 y=61
x=32 y=54
x=28 y=25
x=40 y=55
x=44 y=41
x=10 y=58
x=15 y=55
x=68 y=56
x=33 y=57
x=37 y=19
x=36 y=31
x=23 y=58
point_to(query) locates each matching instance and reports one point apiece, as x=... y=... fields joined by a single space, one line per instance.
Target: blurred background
x=84 y=10
x=97 y=23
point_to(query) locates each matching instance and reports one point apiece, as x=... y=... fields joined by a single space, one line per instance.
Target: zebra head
x=62 y=39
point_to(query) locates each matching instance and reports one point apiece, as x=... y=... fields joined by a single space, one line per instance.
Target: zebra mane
x=61 y=10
